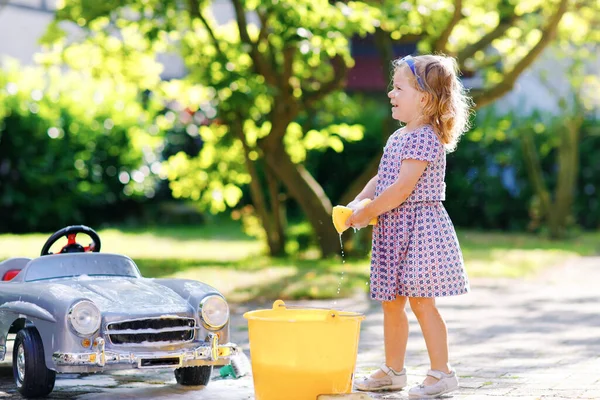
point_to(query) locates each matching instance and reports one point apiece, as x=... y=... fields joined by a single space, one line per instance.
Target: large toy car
x=81 y=311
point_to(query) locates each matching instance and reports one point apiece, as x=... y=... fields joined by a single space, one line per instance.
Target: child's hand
x=354 y=205
x=359 y=219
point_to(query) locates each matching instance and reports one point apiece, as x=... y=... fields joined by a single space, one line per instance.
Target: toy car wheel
x=193 y=376
x=32 y=377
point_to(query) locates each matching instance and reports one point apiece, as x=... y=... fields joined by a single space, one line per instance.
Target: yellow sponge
x=341 y=213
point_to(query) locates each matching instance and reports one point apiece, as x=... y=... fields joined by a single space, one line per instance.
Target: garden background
x=210 y=140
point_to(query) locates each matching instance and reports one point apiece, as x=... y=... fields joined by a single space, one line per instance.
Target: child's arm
x=367 y=193
x=398 y=192
x=392 y=196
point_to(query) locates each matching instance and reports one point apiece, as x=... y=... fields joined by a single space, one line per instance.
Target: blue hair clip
x=411 y=64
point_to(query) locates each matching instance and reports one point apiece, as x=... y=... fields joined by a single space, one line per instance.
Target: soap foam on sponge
x=341 y=213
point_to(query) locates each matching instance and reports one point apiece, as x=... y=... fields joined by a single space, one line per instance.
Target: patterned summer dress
x=415 y=248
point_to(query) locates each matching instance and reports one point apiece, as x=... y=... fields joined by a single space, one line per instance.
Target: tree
x=266 y=75
x=563 y=134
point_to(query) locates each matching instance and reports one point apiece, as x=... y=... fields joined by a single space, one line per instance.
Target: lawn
x=222 y=256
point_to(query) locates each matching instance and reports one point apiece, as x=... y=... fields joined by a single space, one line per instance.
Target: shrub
x=72 y=150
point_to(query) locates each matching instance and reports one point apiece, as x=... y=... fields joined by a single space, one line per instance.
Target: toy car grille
x=152 y=331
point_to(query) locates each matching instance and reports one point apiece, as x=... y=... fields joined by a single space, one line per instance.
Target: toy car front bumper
x=212 y=353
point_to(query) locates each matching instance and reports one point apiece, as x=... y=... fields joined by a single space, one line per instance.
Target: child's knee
x=422 y=305
x=395 y=305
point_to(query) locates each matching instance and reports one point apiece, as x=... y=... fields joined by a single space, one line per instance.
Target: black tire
x=193 y=376
x=36 y=379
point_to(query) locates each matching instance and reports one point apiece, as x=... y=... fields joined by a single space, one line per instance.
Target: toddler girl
x=416 y=256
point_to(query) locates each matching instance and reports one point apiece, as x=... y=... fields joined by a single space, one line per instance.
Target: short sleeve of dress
x=422 y=144
x=391 y=138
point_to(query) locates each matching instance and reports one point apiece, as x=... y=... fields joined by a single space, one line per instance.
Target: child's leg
x=395 y=333
x=435 y=333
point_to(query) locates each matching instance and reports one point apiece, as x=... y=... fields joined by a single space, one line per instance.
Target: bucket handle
x=334 y=313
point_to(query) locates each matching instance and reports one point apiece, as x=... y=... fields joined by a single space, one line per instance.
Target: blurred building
x=22 y=22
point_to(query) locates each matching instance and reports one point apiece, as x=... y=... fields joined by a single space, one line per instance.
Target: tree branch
x=487 y=39
x=288 y=59
x=409 y=38
x=485 y=97
x=440 y=45
x=195 y=13
x=262 y=66
x=281 y=115
x=488 y=62
x=263 y=35
x=242 y=23
x=264 y=19
x=339 y=75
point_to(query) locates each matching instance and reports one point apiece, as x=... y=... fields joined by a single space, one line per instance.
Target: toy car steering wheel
x=72 y=246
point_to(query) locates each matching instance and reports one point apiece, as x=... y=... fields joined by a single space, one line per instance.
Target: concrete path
x=533 y=339
x=509 y=339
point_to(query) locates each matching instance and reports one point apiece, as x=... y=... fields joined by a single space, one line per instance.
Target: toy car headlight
x=214 y=312
x=84 y=317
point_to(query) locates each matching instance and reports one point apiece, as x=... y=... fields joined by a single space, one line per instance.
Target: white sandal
x=392 y=381
x=446 y=383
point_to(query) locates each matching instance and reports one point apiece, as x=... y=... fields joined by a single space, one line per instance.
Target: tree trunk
x=534 y=171
x=557 y=213
x=310 y=196
x=277 y=213
x=568 y=169
x=270 y=224
x=358 y=184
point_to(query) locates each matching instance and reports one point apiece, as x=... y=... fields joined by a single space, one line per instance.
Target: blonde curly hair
x=447 y=106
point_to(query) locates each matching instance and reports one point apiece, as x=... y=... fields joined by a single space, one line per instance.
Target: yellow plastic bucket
x=300 y=353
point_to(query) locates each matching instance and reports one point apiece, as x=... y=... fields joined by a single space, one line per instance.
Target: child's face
x=405 y=100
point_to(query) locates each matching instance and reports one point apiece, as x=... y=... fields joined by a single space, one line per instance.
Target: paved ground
x=510 y=339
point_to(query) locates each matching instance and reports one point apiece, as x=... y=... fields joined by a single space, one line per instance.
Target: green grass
x=520 y=255
x=222 y=256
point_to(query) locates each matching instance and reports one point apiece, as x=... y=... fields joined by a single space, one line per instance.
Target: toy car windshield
x=80 y=264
